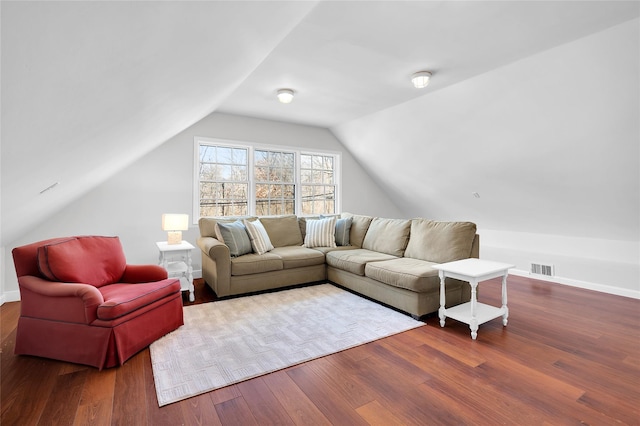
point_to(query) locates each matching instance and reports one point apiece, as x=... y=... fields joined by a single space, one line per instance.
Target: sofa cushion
x=411 y=274
x=320 y=233
x=122 y=299
x=209 y=225
x=359 y=226
x=235 y=236
x=256 y=264
x=260 y=240
x=354 y=261
x=388 y=236
x=91 y=260
x=440 y=242
x=298 y=256
x=283 y=230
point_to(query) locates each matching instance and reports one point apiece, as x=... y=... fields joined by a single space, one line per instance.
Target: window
x=223 y=180
x=317 y=183
x=274 y=176
x=233 y=179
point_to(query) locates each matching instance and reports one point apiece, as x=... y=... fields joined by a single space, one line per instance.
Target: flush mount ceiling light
x=285 y=95
x=421 y=79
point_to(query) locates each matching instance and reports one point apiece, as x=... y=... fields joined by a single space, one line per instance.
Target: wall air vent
x=541 y=269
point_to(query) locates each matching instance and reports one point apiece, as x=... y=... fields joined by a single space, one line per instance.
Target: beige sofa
x=388 y=260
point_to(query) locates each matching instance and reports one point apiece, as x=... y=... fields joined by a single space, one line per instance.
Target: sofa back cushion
x=90 y=260
x=283 y=230
x=359 y=226
x=388 y=236
x=440 y=242
x=209 y=225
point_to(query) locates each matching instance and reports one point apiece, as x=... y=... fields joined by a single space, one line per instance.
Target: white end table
x=176 y=259
x=474 y=271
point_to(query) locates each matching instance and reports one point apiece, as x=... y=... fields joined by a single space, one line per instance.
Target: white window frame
x=251 y=147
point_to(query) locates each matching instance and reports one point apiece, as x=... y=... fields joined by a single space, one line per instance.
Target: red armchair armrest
x=143 y=274
x=68 y=302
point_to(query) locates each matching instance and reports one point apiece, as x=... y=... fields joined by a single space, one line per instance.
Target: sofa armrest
x=475 y=247
x=143 y=274
x=68 y=302
x=216 y=264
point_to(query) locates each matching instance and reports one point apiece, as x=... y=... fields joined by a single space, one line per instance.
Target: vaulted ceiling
x=89 y=87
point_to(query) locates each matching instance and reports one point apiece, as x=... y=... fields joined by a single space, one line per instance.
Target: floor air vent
x=540 y=269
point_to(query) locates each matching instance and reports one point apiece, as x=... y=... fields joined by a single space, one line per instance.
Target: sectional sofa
x=388 y=260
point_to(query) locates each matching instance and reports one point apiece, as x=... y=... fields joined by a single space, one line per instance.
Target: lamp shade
x=175 y=222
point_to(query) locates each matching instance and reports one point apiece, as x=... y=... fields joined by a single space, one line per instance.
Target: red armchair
x=82 y=303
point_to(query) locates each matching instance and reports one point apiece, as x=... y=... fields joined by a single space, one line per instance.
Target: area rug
x=226 y=342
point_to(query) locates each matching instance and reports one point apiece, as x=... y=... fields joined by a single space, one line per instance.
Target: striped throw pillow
x=321 y=233
x=343 y=230
x=258 y=235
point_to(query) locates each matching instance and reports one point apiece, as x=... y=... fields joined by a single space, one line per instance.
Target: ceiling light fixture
x=285 y=95
x=421 y=79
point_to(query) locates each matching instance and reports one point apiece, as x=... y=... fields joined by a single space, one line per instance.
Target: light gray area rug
x=229 y=341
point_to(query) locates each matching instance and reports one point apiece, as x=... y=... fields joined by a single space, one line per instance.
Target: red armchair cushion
x=92 y=260
x=122 y=299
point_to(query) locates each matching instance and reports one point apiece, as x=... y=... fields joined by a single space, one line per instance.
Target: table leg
x=441 y=311
x=505 y=315
x=190 y=277
x=473 y=324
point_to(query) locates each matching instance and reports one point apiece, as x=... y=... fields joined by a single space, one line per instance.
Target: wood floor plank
x=301 y=410
x=130 y=400
x=325 y=399
x=263 y=404
x=198 y=411
x=235 y=412
x=9 y=315
x=377 y=415
x=26 y=390
x=64 y=399
x=96 y=401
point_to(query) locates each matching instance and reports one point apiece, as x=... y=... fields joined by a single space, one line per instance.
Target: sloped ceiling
x=89 y=87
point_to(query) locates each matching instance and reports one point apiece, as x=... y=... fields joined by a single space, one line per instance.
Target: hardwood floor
x=568 y=356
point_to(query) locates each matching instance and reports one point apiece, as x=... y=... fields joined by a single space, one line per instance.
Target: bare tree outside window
x=317 y=184
x=275 y=182
x=224 y=181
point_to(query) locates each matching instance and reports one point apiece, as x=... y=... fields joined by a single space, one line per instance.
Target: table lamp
x=174 y=224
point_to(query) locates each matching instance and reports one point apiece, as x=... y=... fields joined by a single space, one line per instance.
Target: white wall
x=551 y=144
x=130 y=204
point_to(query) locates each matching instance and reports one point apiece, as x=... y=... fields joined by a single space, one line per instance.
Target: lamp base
x=174 y=237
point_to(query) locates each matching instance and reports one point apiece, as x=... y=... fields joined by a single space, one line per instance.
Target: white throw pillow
x=258 y=235
x=321 y=233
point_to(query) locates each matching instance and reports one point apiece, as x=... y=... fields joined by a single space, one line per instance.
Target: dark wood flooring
x=568 y=357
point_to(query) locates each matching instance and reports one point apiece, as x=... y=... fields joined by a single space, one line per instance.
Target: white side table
x=474 y=271
x=176 y=259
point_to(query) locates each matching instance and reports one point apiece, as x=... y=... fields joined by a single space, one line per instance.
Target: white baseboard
x=10 y=296
x=635 y=294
